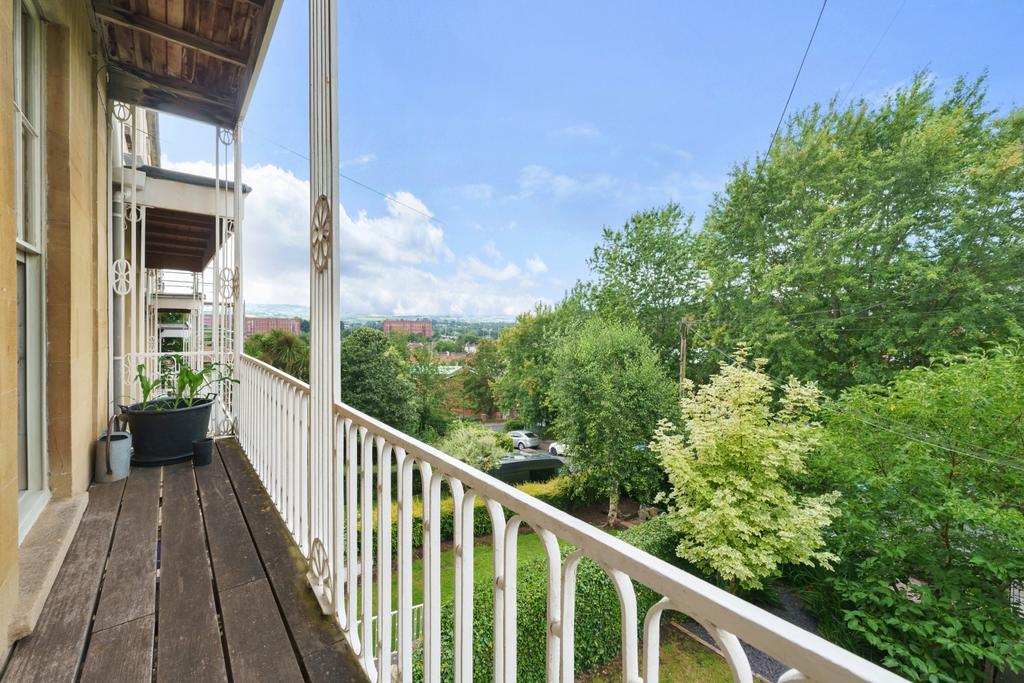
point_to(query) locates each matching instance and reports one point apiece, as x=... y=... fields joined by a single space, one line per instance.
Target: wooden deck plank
x=324 y=653
x=258 y=644
x=129 y=585
x=189 y=643
x=234 y=557
x=54 y=650
x=121 y=653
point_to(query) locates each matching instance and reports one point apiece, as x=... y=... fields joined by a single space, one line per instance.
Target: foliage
x=527 y=350
x=375 y=379
x=431 y=390
x=647 y=273
x=445 y=346
x=479 y=375
x=873 y=239
x=476 y=445
x=282 y=349
x=598 y=621
x=182 y=385
x=730 y=499
x=610 y=393
x=932 y=530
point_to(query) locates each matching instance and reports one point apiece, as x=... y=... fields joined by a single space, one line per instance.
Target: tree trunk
x=613 y=509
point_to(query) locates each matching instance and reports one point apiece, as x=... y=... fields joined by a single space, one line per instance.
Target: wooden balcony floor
x=181 y=574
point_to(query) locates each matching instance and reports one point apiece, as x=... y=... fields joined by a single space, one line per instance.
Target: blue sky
x=525 y=127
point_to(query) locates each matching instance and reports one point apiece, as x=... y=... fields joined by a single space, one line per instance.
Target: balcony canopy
x=196 y=58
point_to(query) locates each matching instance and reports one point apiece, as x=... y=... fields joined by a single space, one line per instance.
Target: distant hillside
x=300 y=311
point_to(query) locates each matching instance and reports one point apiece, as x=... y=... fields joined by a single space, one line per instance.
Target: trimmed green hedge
x=598 y=632
x=554 y=492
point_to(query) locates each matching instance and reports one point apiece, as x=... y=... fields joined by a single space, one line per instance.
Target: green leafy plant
x=183 y=385
x=737 y=515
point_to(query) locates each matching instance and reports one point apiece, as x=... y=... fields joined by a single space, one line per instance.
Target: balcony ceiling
x=195 y=58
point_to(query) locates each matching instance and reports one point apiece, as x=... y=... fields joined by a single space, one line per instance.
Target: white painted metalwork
x=122 y=277
x=340 y=507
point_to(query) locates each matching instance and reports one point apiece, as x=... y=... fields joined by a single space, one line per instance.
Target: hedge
x=598 y=626
x=554 y=492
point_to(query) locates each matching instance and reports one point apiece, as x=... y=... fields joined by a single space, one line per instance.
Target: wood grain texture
x=320 y=643
x=258 y=645
x=129 y=585
x=235 y=561
x=121 y=653
x=189 y=644
x=53 y=652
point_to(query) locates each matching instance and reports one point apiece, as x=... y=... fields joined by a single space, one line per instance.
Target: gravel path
x=760 y=663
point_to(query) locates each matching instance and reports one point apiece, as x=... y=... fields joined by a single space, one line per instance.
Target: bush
x=553 y=492
x=598 y=633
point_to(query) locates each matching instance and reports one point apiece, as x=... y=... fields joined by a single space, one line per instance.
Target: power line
x=877 y=44
x=796 y=79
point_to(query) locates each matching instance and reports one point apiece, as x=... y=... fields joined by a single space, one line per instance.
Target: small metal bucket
x=113 y=455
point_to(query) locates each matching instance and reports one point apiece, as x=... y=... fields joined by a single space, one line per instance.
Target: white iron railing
x=329 y=509
x=417 y=629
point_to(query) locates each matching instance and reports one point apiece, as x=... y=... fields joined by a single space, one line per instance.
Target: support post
x=324 y=380
x=238 y=311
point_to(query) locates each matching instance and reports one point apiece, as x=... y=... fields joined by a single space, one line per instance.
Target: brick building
x=257 y=325
x=424 y=327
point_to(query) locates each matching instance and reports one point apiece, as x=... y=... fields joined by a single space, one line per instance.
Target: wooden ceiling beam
x=136 y=22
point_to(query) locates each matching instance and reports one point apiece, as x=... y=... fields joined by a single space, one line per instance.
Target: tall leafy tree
x=282 y=349
x=647 y=273
x=432 y=419
x=931 y=536
x=610 y=391
x=375 y=379
x=874 y=238
x=732 y=498
x=479 y=376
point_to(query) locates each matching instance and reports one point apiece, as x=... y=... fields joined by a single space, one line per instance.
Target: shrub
x=515 y=423
x=598 y=632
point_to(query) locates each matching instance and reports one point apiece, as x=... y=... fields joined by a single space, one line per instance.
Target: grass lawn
x=681 y=660
x=530 y=548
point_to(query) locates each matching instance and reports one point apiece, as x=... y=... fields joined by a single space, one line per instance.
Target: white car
x=523 y=439
x=556 y=448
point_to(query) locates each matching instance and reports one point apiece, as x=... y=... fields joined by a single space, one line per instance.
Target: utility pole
x=684 y=328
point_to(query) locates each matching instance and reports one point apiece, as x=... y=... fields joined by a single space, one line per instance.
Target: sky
x=509 y=134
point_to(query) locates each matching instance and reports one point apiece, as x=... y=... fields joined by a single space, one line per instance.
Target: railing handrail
x=818 y=658
x=279 y=374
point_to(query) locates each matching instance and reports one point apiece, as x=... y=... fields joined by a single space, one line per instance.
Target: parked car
x=556 y=448
x=523 y=439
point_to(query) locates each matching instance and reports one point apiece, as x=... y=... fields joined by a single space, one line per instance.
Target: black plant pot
x=163 y=434
x=202 y=452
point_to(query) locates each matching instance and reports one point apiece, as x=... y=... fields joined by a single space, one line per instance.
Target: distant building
x=424 y=327
x=257 y=325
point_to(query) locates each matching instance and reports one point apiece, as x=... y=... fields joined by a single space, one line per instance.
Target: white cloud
x=476 y=191
x=361 y=160
x=492 y=250
x=581 y=130
x=537 y=179
x=397 y=263
x=536 y=266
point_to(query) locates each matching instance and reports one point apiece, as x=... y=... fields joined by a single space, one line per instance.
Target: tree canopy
x=732 y=498
x=479 y=376
x=931 y=535
x=476 y=445
x=873 y=239
x=282 y=349
x=375 y=379
x=610 y=391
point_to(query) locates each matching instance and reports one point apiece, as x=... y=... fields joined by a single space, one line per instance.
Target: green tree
x=732 y=499
x=432 y=419
x=476 y=445
x=527 y=350
x=647 y=273
x=931 y=535
x=282 y=349
x=479 y=376
x=375 y=379
x=873 y=238
x=610 y=392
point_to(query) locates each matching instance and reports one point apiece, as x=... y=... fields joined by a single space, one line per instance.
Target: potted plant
x=164 y=428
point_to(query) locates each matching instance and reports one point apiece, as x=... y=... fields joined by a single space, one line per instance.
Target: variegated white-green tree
x=729 y=470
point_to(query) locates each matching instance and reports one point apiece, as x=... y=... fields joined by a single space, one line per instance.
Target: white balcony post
x=238 y=311
x=324 y=381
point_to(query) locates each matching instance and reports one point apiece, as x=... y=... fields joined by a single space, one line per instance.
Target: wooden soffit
x=179 y=240
x=196 y=58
